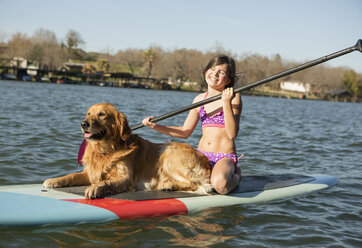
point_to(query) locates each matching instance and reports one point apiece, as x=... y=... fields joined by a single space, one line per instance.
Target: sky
x=298 y=31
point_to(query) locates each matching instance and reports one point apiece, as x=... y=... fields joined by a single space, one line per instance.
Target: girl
x=220 y=123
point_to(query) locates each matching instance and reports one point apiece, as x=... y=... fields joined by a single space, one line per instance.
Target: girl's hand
x=147 y=122
x=227 y=95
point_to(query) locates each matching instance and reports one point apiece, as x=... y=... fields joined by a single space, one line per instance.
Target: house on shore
x=295 y=86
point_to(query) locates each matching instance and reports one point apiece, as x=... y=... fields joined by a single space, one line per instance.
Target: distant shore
x=341 y=96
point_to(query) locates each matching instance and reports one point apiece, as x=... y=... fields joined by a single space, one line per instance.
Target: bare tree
x=131 y=57
x=18 y=46
x=46 y=50
x=187 y=65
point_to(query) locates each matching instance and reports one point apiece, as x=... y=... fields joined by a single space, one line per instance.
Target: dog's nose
x=84 y=124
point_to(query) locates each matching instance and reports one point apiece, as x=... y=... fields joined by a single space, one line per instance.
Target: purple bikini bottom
x=214 y=157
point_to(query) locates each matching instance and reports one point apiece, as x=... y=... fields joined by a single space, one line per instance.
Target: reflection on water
x=198 y=230
x=40 y=137
x=202 y=231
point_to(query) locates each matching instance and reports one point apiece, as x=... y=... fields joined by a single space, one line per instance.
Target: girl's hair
x=220 y=60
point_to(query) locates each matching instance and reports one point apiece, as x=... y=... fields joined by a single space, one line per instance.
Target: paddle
x=357 y=47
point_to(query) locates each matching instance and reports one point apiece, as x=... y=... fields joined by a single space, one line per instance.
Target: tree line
x=46 y=51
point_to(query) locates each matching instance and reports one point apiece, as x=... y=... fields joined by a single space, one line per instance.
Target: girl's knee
x=220 y=183
x=222 y=175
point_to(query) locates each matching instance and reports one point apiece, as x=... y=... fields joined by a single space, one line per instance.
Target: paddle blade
x=359 y=45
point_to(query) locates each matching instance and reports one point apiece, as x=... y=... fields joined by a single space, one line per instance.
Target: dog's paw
x=52 y=183
x=204 y=189
x=93 y=192
x=167 y=189
x=167 y=186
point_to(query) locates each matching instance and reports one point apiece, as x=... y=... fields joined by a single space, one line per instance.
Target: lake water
x=40 y=137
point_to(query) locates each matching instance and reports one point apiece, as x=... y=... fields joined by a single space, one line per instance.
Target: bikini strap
x=205 y=95
x=202 y=106
x=242 y=155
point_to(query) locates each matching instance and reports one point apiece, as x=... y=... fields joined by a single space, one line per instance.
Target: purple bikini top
x=217 y=120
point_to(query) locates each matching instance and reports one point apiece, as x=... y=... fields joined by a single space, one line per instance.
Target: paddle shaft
x=357 y=47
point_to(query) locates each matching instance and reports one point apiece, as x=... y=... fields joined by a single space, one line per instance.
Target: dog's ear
x=122 y=127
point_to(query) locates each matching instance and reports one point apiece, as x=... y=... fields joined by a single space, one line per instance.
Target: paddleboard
x=31 y=205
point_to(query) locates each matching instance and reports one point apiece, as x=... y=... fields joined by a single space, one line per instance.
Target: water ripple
x=41 y=134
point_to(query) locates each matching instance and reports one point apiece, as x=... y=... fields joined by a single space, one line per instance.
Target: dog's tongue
x=87 y=135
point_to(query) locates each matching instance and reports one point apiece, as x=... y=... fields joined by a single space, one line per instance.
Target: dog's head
x=104 y=122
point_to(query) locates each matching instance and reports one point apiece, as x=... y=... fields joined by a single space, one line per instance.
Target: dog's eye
x=100 y=114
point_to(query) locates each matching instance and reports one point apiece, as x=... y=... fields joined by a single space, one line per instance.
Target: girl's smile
x=217 y=75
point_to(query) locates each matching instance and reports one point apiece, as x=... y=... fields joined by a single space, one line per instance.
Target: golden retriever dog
x=115 y=160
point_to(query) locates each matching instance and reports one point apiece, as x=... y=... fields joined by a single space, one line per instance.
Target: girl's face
x=217 y=77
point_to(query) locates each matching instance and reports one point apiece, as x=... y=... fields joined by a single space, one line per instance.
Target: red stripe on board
x=133 y=209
